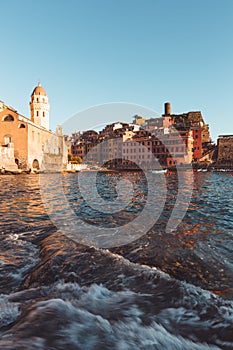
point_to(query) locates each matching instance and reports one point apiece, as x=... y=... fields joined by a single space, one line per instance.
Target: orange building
x=31 y=139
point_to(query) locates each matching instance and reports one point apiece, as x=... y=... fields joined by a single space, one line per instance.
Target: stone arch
x=8 y=118
x=35 y=164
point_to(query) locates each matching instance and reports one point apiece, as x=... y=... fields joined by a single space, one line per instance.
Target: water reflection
x=20 y=202
x=199 y=251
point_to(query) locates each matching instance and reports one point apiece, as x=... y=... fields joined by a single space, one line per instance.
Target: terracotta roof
x=39 y=90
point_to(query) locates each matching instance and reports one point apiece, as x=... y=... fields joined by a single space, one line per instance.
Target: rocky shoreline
x=195 y=167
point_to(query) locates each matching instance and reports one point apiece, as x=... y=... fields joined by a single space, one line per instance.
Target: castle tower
x=167 y=108
x=39 y=107
x=167 y=117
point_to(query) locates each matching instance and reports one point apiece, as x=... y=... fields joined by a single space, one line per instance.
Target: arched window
x=8 y=118
x=35 y=164
x=22 y=126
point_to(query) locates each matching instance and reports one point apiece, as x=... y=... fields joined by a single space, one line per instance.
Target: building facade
x=30 y=143
x=190 y=121
x=172 y=139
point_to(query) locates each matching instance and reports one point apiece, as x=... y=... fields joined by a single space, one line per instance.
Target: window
x=8 y=118
x=43 y=114
x=22 y=126
x=7 y=139
x=37 y=113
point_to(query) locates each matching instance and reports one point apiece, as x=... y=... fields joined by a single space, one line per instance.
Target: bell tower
x=39 y=107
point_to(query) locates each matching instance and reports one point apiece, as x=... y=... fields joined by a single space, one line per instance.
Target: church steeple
x=39 y=107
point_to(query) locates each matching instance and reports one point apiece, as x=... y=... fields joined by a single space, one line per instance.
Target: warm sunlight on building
x=24 y=141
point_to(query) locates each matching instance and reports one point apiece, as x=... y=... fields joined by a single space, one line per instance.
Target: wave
x=79 y=297
x=91 y=318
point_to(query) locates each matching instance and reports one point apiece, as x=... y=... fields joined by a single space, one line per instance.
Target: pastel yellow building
x=27 y=143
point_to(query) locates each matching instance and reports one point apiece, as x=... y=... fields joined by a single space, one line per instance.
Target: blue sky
x=145 y=52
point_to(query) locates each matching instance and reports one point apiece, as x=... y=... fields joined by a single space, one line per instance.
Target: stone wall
x=225 y=150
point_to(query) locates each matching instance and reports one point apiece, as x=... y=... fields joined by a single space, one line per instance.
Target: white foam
x=95 y=317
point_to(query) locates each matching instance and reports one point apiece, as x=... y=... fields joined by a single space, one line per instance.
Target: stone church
x=29 y=144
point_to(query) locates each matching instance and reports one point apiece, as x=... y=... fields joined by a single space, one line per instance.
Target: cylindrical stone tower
x=167 y=108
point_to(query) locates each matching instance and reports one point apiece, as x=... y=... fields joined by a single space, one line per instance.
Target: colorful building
x=190 y=121
x=172 y=139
